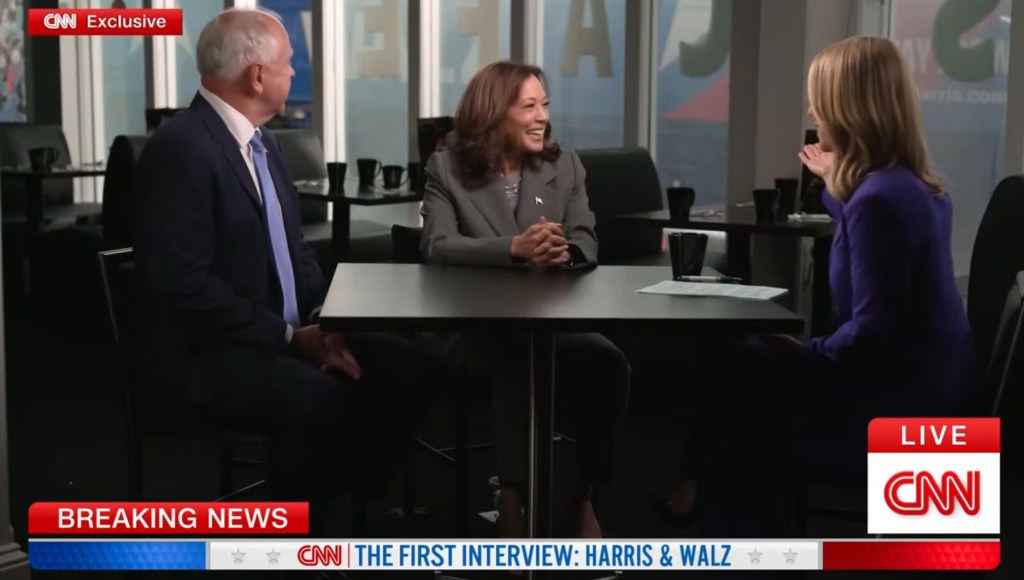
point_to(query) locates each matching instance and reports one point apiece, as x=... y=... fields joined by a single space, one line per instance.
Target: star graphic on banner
x=790 y=556
x=272 y=556
x=238 y=556
x=755 y=556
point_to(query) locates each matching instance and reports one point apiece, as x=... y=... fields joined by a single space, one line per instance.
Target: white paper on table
x=739 y=291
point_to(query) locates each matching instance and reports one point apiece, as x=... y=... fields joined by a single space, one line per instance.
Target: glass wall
x=691 y=100
x=377 y=93
x=297 y=17
x=583 y=58
x=474 y=33
x=124 y=84
x=958 y=53
x=195 y=14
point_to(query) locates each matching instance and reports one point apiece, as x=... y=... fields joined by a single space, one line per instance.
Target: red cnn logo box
x=933 y=476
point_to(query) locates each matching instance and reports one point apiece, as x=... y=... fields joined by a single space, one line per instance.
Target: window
x=297 y=17
x=958 y=53
x=195 y=14
x=691 y=95
x=583 y=58
x=124 y=88
x=377 y=93
x=474 y=33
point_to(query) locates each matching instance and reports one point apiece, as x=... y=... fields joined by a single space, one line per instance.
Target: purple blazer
x=902 y=324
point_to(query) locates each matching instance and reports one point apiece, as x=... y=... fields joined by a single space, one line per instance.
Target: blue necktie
x=275 y=223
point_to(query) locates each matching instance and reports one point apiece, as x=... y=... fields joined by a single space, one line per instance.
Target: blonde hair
x=861 y=92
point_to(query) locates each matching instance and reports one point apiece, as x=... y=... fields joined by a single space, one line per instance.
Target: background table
x=34 y=191
x=341 y=212
x=739 y=223
x=412 y=297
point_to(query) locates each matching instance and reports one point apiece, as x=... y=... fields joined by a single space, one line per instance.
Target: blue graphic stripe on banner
x=117 y=555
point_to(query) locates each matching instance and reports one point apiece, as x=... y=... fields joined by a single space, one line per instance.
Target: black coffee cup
x=415 y=176
x=680 y=200
x=787 y=187
x=687 y=253
x=368 y=170
x=392 y=176
x=766 y=205
x=42 y=159
x=336 y=171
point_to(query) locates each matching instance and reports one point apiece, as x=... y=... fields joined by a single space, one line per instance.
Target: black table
x=740 y=223
x=353 y=194
x=411 y=297
x=34 y=191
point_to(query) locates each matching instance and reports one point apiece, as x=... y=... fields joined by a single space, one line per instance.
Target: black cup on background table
x=336 y=171
x=392 y=176
x=680 y=200
x=766 y=203
x=686 y=250
x=368 y=170
x=787 y=187
x=415 y=177
x=42 y=159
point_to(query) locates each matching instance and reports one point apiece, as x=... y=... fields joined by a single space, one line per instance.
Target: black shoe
x=662 y=507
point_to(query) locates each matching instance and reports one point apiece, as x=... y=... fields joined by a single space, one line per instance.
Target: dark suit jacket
x=203 y=249
x=474 y=226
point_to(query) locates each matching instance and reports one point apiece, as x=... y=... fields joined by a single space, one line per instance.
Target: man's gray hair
x=235 y=39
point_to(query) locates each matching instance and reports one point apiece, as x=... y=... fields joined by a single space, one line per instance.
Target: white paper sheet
x=739 y=291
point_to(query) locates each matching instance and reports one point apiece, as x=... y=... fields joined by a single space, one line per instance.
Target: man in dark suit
x=232 y=292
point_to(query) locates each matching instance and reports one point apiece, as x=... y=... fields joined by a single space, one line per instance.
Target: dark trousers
x=327 y=432
x=591 y=379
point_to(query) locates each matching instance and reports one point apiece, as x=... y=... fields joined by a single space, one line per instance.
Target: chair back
x=405 y=244
x=304 y=157
x=117 y=274
x=118 y=184
x=432 y=134
x=620 y=181
x=1006 y=367
x=16 y=140
x=997 y=256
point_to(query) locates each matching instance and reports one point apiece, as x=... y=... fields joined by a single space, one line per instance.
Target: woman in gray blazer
x=504 y=194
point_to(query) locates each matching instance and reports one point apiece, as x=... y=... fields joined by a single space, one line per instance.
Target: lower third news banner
x=443 y=555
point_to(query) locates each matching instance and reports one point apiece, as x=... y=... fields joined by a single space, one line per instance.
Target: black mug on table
x=336 y=171
x=766 y=203
x=42 y=159
x=686 y=249
x=680 y=200
x=392 y=176
x=787 y=187
x=368 y=170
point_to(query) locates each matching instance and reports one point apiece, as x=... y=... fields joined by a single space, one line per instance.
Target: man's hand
x=326 y=351
x=339 y=357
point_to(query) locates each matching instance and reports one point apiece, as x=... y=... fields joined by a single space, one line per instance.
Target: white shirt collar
x=239 y=126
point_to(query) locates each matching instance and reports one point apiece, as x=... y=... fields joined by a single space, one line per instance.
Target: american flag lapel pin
x=539 y=200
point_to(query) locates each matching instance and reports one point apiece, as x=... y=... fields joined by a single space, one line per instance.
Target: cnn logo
x=326 y=555
x=933 y=476
x=60 y=21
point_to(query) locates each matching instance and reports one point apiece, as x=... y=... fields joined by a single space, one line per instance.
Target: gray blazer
x=475 y=226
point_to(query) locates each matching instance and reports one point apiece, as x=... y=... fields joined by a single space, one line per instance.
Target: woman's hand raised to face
x=817 y=161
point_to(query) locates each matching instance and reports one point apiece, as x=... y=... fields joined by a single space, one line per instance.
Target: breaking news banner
x=933 y=476
x=444 y=555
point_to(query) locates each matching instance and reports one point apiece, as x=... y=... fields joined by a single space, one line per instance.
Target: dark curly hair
x=479 y=140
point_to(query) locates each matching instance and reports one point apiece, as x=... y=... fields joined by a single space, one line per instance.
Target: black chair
x=117 y=273
x=117 y=189
x=59 y=208
x=620 y=181
x=997 y=257
x=369 y=241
